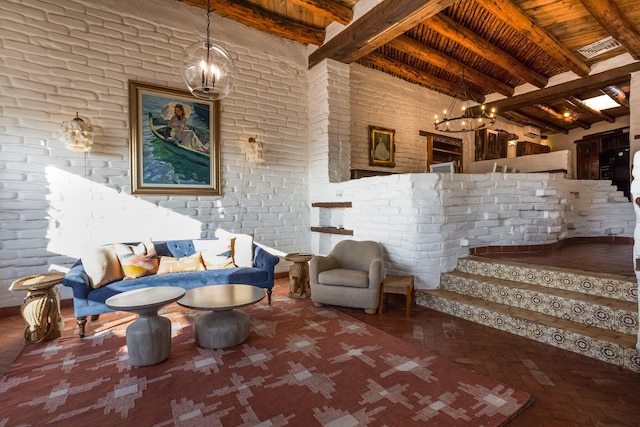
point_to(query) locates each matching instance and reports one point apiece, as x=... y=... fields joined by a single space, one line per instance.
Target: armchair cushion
x=344 y=277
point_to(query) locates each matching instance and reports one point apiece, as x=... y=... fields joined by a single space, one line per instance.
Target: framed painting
x=174 y=142
x=447 y=167
x=381 y=147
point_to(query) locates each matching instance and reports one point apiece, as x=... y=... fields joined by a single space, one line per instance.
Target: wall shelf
x=328 y=229
x=332 y=230
x=330 y=205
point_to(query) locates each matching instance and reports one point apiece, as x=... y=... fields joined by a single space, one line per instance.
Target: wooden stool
x=401 y=285
x=299 y=275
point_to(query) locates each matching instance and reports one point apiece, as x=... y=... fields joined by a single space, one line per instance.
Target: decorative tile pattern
x=543 y=291
x=609 y=287
x=542 y=300
x=592 y=347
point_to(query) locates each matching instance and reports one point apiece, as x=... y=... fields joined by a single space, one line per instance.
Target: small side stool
x=41 y=306
x=401 y=285
x=299 y=286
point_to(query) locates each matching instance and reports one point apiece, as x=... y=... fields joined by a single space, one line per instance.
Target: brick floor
x=569 y=389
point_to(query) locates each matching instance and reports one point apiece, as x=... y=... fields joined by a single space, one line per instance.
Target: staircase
x=587 y=313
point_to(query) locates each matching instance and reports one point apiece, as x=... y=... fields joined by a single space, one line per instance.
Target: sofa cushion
x=178 y=265
x=216 y=253
x=102 y=266
x=344 y=277
x=134 y=260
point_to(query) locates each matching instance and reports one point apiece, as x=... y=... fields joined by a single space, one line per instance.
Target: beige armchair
x=349 y=276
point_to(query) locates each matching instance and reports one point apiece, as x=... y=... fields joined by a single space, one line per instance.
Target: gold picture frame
x=174 y=141
x=382 y=149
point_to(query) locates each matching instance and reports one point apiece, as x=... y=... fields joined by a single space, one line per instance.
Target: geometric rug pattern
x=300 y=366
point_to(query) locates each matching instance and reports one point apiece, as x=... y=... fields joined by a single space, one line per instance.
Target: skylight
x=601 y=102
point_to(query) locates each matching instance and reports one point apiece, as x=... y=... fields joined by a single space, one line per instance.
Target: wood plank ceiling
x=471 y=48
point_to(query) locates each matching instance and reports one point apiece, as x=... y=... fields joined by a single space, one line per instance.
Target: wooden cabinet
x=443 y=149
x=491 y=144
x=590 y=148
x=588 y=159
x=526 y=148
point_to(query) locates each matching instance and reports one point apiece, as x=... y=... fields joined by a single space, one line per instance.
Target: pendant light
x=209 y=71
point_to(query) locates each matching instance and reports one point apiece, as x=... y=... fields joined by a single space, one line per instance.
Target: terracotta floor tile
x=585 y=392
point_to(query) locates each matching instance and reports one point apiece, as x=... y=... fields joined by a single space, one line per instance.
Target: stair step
x=602 y=344
x=603 y=312
x=606 y=285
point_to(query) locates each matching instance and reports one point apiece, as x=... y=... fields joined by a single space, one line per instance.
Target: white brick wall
x=427 y=221
x=60 y=57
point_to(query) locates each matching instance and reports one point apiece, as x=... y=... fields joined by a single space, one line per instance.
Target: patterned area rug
x=300 y=366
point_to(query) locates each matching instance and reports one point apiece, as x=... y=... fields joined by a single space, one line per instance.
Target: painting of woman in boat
x=174 y=149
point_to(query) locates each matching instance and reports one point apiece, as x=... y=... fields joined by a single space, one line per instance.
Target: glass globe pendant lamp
x=209 y=71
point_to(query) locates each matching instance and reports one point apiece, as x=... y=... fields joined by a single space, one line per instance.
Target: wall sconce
x=254 y=150
x=76 y=134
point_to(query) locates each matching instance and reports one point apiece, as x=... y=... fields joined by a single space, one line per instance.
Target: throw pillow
x=242 y=248
x=175 y=265
x=216 y=254
x=134 y=260
x=102 y=266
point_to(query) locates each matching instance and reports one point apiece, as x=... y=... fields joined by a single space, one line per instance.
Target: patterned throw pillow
x=102 y=266
x=134 y=260
x=216 y=254
x=175 y=265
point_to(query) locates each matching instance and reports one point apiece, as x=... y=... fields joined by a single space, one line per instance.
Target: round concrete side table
x=223 y=326
x=41 y=307
x=148 y=337
x=299 y=275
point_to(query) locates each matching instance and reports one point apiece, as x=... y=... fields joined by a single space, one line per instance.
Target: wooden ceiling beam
x=617 y=94
x=574 y=87
x=581 y=105
x=560 y=117
x=417 y=76
x=263 y=20
x=607 y=13
x=438 y=59
x=381 y=24
x=331 y=10
x=527 y=119
x=448 y=28
x=511 y=15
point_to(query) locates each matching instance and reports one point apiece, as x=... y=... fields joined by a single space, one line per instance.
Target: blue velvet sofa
x=88 y=301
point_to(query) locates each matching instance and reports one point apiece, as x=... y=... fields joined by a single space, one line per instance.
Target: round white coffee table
x=223 y=326
x=149 y=336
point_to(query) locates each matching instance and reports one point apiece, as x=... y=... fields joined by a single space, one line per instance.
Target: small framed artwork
x=448 y=167
x=382 y=146
x=174 y=142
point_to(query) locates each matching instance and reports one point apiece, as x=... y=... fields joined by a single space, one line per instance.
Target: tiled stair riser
x=599 y=286
x=602 y=316
x=571 y=341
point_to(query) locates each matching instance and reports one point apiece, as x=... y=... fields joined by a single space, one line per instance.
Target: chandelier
x=467 y=121
x=76 y=134
x=209 y=71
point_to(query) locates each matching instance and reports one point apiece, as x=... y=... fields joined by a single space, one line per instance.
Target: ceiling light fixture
x=466 y=121
x=76 y=134
x=209 y=71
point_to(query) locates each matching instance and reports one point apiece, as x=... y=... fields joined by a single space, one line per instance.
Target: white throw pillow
x=102 y=266
x=216 y=254
x=242 y=248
